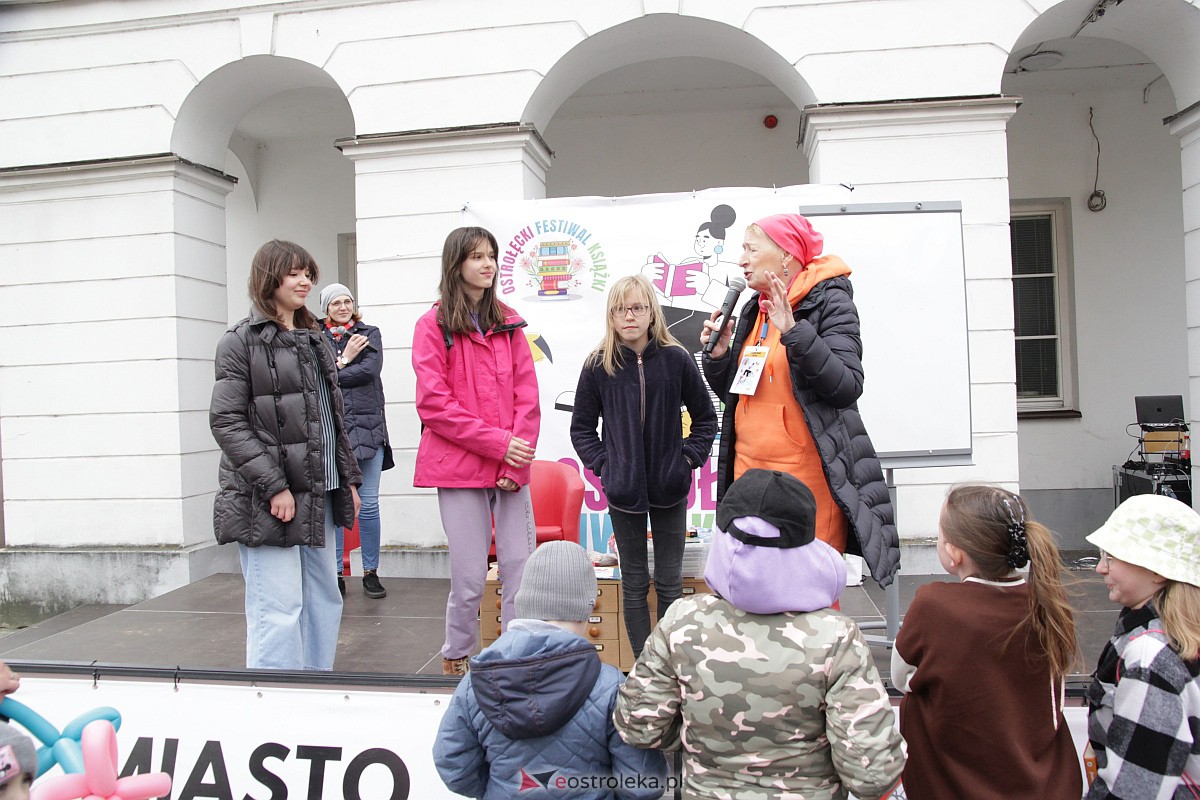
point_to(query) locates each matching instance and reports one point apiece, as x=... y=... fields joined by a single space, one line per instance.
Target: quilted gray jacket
x=825 y=358
x=265 y=416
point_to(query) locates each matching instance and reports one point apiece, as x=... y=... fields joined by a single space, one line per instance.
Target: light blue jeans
x=293 y=607
x=368 y=515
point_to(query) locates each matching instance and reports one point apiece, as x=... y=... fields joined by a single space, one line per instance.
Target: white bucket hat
x=1155 y=532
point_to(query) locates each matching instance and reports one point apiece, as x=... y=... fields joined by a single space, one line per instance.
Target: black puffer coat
x=362 y=393
x=643 y=460
x=824 y=352
x=265 y=416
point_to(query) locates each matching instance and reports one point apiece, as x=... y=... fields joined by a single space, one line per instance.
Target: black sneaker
x=342 y=585
x=372 y=586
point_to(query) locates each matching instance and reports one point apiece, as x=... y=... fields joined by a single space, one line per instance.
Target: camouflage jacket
x=765 y=707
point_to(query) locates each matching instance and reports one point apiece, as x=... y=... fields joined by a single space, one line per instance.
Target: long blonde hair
x=979 y=519
x=1178 y=606
x=608 y=353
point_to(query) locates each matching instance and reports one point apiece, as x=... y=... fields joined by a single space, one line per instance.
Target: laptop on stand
x=1160 y=412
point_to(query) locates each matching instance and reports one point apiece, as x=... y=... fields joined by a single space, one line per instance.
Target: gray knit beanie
x=559 y=583
x=332 y=292
x=17 y=756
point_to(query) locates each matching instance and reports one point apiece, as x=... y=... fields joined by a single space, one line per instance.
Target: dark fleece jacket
x=641 y=456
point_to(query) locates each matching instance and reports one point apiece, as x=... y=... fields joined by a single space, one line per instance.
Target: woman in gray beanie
x=18 y=763
x=538 y=702
x=359 y=349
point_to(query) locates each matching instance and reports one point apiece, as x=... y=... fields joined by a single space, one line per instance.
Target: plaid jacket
x=1143 y=712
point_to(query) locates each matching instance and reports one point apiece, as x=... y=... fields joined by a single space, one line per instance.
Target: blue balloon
x=57 y=748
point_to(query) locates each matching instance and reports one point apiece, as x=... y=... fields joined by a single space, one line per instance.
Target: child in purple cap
x=777 y=692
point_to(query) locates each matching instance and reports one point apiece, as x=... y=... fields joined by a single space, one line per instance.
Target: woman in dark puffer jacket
x=799 y=334
x=638 y=379
x=287 y=474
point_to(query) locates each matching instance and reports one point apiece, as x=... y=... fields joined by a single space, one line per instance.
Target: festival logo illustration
x=553 y=260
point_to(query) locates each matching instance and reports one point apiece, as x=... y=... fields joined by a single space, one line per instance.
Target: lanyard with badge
x=753 y=361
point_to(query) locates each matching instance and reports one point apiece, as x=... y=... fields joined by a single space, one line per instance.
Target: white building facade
x=148 y=147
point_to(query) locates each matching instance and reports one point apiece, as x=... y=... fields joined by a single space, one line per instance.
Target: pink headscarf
x=794 y=234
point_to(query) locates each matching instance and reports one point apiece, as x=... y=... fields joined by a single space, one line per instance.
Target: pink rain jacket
x=473 y=395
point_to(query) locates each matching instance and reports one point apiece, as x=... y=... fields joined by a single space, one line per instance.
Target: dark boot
x=372 y=586
x=342 y=585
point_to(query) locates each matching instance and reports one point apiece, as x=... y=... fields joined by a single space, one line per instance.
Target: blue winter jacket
x=533 y=718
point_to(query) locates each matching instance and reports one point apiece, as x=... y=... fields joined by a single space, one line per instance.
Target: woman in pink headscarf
x=790 y=374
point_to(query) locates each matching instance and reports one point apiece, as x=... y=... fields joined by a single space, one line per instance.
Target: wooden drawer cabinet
x=605 y=628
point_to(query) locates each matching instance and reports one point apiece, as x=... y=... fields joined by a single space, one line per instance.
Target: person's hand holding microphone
x=717 y=330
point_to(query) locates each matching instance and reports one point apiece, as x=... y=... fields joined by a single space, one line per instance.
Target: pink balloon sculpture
x=99 y=780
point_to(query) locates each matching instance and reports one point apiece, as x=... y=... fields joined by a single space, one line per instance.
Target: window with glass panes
x=1036 y=321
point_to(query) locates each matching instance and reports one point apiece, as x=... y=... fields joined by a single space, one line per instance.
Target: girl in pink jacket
x=477 y=397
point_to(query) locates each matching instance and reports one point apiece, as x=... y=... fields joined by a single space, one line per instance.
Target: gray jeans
x=629 y=529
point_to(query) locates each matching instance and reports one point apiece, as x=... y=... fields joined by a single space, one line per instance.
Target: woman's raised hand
x=520 y=452
x=775 y=304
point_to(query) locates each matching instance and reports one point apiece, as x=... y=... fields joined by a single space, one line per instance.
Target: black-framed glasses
x=637 y=309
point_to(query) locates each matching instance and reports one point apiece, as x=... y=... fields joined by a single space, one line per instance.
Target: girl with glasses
x=637 y=380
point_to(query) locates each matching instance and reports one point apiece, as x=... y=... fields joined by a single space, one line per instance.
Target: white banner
x=557 y=258
x=246 y=742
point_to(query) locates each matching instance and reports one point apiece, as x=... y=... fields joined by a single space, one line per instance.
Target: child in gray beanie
x=18 y=763
x=534 y=714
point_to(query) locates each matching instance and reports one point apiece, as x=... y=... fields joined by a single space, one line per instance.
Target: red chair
x=557 y=493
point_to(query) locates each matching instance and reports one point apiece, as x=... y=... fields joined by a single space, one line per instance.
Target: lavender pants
x=467 y=516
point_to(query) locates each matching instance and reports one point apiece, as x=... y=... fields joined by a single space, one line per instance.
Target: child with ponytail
x=983 y=662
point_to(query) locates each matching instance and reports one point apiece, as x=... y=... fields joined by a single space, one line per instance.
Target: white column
x=114 y=298
x=1186 y=126
x=410 y=191
x=940 y=150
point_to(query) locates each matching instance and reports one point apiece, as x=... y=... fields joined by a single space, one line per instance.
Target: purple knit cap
x=794 y=234
x=771 y=580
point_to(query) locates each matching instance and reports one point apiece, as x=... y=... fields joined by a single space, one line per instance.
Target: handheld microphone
x=737 y=285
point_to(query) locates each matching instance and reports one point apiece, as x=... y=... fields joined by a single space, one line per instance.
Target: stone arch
x=271 y=122
x=1165 y=31
x=668 y=102
x=212 y=111
x=654 y=37
x=1132 y=67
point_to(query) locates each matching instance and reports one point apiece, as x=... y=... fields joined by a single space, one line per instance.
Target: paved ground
x=202 y=626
